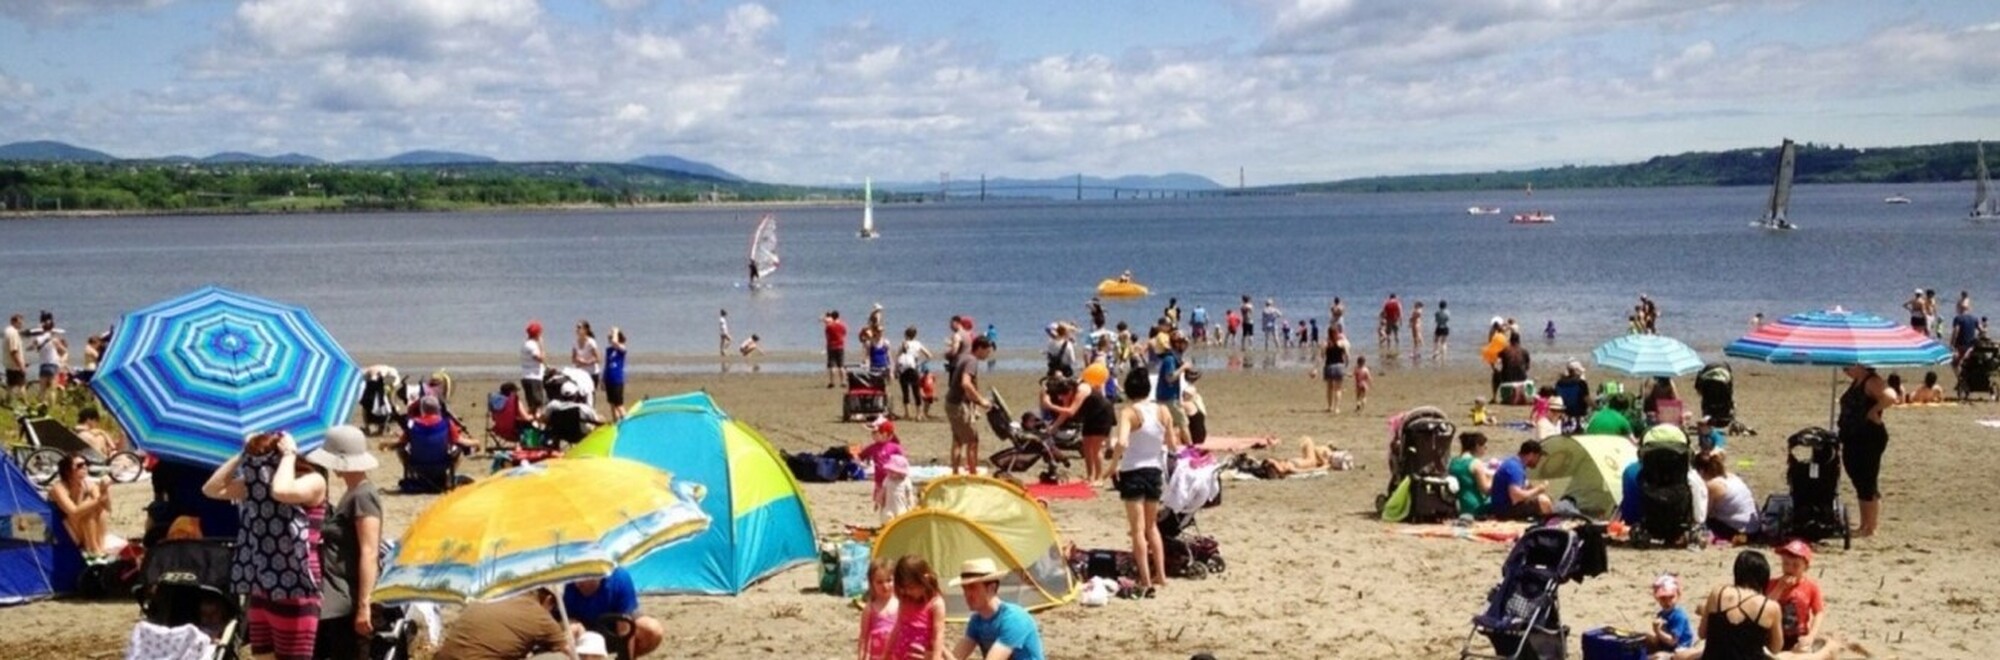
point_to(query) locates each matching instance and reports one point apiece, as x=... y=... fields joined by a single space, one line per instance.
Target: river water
x=466 y=283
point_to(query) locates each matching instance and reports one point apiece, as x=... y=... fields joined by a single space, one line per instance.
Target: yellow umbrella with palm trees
x=539 y=525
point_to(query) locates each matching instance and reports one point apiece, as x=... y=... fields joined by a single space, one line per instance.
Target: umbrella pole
x=564 y=611
x=1833 y=401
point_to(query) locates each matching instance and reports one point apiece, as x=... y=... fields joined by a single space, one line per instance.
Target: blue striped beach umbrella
x=1647 y=355
x=190 y=377
x=1838 y=338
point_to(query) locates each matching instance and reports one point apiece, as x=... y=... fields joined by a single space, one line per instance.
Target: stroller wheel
x=125 y=467
x=1197 y=570
x=1216 y=565
x=1846 y=535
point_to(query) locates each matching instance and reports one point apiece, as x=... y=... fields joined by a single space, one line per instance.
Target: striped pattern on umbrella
x=1837 y=338
x=1647 y=355
x=190 y=377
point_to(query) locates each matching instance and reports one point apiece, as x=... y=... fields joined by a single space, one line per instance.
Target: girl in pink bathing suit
x=878 y=618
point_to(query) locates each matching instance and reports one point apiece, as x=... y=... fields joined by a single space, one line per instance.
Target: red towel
x=1074 y=490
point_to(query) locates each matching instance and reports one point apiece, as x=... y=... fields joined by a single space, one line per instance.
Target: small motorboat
x=1122 y=288
x=1895 y=199
x=1482 y=210
x=1533 y=218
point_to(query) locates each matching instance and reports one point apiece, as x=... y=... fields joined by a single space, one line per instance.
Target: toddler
x=1362 y=380
x=1671 y=629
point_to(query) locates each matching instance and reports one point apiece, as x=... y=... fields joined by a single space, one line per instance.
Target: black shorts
x=1141 y=485
x=836 y=358
x=1441 y=332
x=1861 y=453
x=1522 y=510
x=615 y=393
x=16 y=377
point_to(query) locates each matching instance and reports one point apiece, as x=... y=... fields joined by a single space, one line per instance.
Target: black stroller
x=1975 y=372
x=1523 y=618
x=187 y=583
x=1418 y=451
x=1812 y=509
x=1716 y=384
x=1190 y=554
x=1666 y=497
x=1029 y=444
x=378 y=411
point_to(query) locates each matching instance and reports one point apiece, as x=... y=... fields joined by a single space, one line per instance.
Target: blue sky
x=820 y=91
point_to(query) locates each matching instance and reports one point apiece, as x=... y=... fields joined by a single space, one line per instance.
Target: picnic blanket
x=1072 y=490
x=1488 y=531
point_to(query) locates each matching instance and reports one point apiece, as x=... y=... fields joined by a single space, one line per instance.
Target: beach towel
x=1073 y=490
x=1990 y=423
x=1239 y=475
x=1236 y=445
x=151 y=641
x=1489 y=532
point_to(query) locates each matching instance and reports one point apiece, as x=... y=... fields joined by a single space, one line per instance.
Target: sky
x=831 y=91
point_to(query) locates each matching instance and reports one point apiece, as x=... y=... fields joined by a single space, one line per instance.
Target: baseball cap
x=1666 y=585
x=1797 y=548
x=883 y=425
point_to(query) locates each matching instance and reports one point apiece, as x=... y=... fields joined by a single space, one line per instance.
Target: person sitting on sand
x=1798 y=595
x=1474 y=476
x=1732 y=508
x=1930 y=393
x=84 y=502
x=99 y=439
x=1738 y=621
x=1611 y=419
x=1895 y=383
x=432 y=437
x=1513 y=497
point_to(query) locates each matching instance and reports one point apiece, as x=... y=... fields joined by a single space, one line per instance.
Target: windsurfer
x=753 y=272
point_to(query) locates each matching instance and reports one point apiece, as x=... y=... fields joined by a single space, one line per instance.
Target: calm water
x=467 y=282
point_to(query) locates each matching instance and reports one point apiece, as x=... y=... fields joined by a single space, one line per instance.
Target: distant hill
x=52 y=151
x=427 y=157
x=672 y=163
x=238 y=157
x=1816 y=163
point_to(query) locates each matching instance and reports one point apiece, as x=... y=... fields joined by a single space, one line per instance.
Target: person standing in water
x=1441 y=330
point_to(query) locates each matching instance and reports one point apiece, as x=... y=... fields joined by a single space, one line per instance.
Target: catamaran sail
x=764 y=248
x=1983 y=204
x=1781 y=190
x=867 y=208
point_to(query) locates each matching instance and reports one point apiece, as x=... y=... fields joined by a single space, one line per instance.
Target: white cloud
x=56 y=11
x=1421 y=33
x=15 y=90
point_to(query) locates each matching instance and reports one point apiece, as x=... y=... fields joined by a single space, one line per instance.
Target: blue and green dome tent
x=761 y=525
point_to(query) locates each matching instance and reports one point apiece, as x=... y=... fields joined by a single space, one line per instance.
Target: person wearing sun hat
x=1671 y=628
x=1797 y=594
x=350 y=540
x=997 y=629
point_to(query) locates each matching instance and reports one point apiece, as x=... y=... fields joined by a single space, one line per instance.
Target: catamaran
x=1983 y=207
x=867 y=208
x=764 y=251
x=1781 y=191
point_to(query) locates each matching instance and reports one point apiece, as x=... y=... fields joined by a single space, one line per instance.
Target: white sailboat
x=1984 y=208
x=764 y=251
x=867 y=208
x=1781 y=192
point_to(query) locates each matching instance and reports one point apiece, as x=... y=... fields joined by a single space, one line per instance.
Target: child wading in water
x=919 y=633
x=878 y=617
x=1363 y=379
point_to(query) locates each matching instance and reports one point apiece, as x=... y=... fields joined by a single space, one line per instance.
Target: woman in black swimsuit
x=1098 y=417
x=1333 y=368
x=1739 y=623
x=1863 y=438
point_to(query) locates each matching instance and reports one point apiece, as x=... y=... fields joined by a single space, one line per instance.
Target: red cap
x=534 y=328
x=1797 y=548
x=883 y=426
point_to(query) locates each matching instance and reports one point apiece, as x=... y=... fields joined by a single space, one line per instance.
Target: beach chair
x=46 y=440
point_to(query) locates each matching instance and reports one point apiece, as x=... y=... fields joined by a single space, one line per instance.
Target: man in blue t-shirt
x=588 y=601
x=1964 y=331
x=999 y=630
x=1513 y=497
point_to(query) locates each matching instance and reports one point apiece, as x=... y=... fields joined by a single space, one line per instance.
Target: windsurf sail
x=764 y=246
x=868 y=208
x=1983 y=205
x=1781 y=187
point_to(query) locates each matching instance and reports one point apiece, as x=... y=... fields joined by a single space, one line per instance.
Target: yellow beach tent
x=1588 y=469
x=966 y=517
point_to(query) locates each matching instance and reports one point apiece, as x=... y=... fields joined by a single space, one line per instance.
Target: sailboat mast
x=1781 y=185
x=867 y=207
x=1982 y=199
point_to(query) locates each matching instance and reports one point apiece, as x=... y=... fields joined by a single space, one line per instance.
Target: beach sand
x=1311 y=572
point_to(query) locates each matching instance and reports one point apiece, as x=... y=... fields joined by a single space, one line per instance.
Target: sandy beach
x=1311 y=572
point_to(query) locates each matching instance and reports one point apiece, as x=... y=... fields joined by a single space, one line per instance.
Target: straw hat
x=976 y=571
x=345 y=450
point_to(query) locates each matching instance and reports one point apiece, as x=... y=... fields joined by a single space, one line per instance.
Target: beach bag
x=813 y=468
x=1397 y=507
x=1108 y=564
x=1518 y=393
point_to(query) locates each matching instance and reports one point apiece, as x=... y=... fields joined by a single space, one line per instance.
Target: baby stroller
x=1812 y=509
x=1716 y=385
x=187 y=583
x=867 y=395
x=1975 y=372
x=1523 y=618
x=378 y=413
x=46 y=440
x=1419 y=445
x=1190 y=554
x=1666 y=497
x=1027 y=447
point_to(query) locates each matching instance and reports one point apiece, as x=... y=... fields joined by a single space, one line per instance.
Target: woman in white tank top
x=1144 y=448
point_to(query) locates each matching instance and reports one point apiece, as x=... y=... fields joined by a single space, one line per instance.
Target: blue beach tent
x=760 y=525
x=37 y=559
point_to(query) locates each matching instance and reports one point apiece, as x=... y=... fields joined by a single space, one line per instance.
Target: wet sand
x=1311 y=573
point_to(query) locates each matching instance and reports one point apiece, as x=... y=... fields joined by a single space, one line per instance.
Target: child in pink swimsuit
x=878 y=619
x=919 y=633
